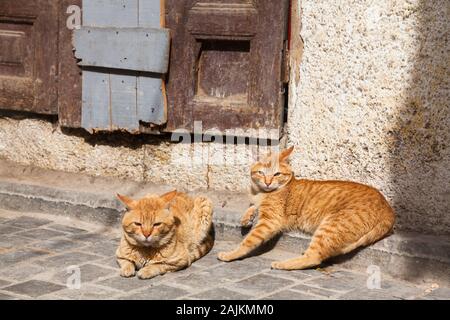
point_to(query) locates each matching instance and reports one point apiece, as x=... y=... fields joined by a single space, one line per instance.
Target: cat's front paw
x=278 y=265
x=246 y=222
x=225 y=256
x=128 y=271
x=148 y=273
x=248 y=217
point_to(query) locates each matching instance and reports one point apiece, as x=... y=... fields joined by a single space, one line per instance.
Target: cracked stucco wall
x=141 y=158
x=368 y=101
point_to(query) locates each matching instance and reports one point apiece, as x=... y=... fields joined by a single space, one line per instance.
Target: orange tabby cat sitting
x=163 y=234
x=341 y=215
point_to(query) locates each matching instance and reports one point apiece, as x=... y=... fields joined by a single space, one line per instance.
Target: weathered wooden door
x=28 y=55
x=225 y=66
x=226 y=63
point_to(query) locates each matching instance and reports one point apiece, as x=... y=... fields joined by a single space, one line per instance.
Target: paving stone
x=33 y=288
x=88 y=273
x=158 y=292
x=171 y=276
x=220 y=294
x=27 y=222
x=64 y=228
x=57 y=245
x=209 y=260
x=241 y=268
x=290 y=295
x=261 y=283
x=224 y=272
x=367 y=294
x=91 y=238
x=438 y=294
x=5 y=229
x=313 y=290
x=50 y=296
x=67 y=259
x=295 y=274
x=128 y=284
x=4 y=296
x=223 y=245
x=200 y=280
x=345 y=274
x=4 y=283
x=10 y=258
x=400 y=289
x=389 y=290
x=14 y=241
x=104 y=248
x=87 y=292
x=42 y=234
x=110 y=262
x=339 y=281
x=25 y=272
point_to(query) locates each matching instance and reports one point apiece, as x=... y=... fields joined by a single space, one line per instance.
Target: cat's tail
x=202 y=212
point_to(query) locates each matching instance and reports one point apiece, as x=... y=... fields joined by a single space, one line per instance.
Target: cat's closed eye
x=260 y=172
x=277 y=174
x=157 y=224
x=137 y=224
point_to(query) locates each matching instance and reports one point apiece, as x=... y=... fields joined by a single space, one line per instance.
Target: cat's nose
x=146 y=233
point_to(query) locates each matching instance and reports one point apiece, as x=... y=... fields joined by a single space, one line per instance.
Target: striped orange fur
x=163 y=233
x=341 y=215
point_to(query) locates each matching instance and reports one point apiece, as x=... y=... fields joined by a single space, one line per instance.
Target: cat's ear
x=127 y=201
x=167 y=197
x=285 y=153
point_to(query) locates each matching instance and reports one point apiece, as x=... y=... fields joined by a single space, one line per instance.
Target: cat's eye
x=138 y=224
x=157 y=224
x=277 y=174
x=260 y=172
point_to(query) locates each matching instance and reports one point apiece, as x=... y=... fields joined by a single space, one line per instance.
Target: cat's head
x=148 y=222
x=272 y=172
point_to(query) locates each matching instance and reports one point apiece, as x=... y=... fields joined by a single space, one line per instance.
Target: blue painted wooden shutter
x=124 y=55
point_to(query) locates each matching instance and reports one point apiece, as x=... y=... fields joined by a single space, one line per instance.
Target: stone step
x=406 y=255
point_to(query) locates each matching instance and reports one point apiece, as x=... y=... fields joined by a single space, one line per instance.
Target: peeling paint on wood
x=133 y=95
x=225 y=64
x=28 y=55
x=139 y=49
x=69 y=78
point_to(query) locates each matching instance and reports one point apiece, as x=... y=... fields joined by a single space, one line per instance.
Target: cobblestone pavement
x=37 y=252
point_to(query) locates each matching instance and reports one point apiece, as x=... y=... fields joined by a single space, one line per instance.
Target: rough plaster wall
x=370 y=102
x=38 y=142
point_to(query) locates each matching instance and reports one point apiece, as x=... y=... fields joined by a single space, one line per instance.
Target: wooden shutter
x=124 y=53
x=28 y=55
x=226 y=63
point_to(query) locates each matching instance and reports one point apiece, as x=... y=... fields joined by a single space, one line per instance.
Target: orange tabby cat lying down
x=341 y=215
x=163 y=234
